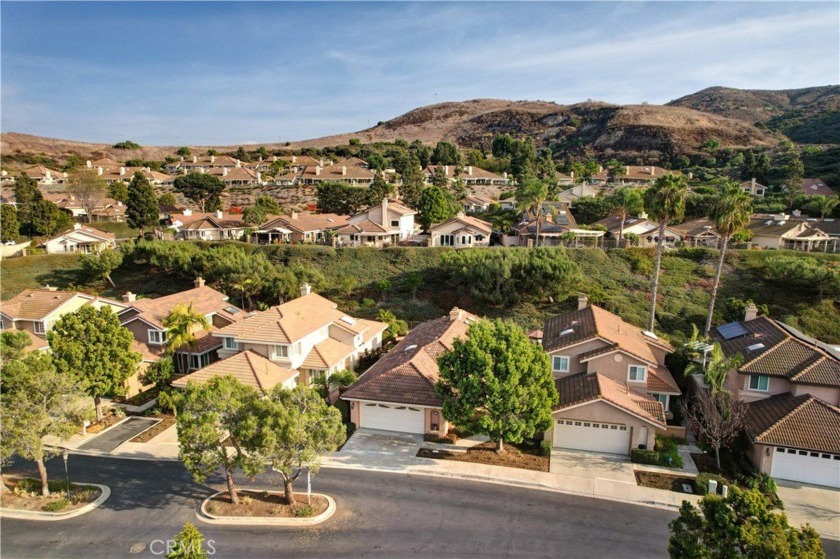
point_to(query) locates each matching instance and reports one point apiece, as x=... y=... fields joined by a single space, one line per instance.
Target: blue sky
x=214 y=72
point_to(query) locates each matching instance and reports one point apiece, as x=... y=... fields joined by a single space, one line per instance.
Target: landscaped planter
x=104 y=493
x=209 y=517
x=138 y=409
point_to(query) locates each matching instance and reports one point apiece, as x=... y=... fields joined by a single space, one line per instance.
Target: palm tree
x=730 y=213
x=824 y=204
x=531 y=197
x=180 y=328
x=665 y=202
x=717 y=368
x=625 y=201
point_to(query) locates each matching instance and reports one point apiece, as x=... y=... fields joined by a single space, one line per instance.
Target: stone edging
x=105 y=492
x=205 y=516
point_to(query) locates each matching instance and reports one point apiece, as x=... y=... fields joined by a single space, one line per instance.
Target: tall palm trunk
x=539 y=226
x=725 y=241
x=656 y=265
x=621 y=230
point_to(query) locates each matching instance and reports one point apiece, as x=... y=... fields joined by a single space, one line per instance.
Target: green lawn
x=120 y=229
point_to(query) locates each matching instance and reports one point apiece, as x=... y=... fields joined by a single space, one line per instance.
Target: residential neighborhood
x=402 y=279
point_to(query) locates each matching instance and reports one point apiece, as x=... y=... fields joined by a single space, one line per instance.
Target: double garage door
x=405 y=419
x=817 y=468
x=577 y=434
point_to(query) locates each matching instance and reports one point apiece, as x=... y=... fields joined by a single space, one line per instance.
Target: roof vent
x=348 y=320
x=567 y=331
x=411 y=347
x=755 y=347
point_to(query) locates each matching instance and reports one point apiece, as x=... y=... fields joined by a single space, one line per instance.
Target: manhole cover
x=137 y=548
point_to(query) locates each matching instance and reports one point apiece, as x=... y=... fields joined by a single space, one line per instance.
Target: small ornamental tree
x=102 y=263
x=396 y=327
x=118 y=190
x=296 y=428
x=92 y=346
x=189 y=542
x=167 y=199
x=141 y=207
x=497 y=382
x=214 y=416
x=719 y=416
x=741 y=525
x=39 y=401
x=89 y=188
x=200 y=188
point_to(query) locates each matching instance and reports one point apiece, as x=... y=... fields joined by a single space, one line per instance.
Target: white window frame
x=758 y=384
x=280 y=351
x=161 y=337
x=231 y=343
x=630 y=369
x=560 y=369
x=39 y=327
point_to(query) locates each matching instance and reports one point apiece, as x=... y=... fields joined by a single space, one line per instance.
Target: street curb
x=96 y=453
x=205 y=516
x=509 y=482
x=52 y=516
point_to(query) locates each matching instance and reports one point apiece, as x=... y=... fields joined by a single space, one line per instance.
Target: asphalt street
x=379 y=515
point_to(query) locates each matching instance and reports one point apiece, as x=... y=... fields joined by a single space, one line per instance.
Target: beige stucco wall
x=574 y=352
x=641 y=431
x=825 y=393
x=615 y=366
x=758 y=455
x=140 y=330
x=740 y=383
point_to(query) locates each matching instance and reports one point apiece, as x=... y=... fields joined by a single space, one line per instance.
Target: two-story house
x=207 y=226
x=387 y=223
x=792 y=384
x=308 y=334
x=614 y=387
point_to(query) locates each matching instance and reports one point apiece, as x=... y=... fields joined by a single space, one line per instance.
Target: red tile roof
x=802 y=422
x=583 y=388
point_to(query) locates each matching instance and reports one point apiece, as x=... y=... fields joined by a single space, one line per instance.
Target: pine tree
x=141 y=205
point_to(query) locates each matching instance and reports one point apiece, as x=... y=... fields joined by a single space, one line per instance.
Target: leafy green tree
x=296 y=428
x=445 y=154
x=183 y=151
x=665 y=202
x=531 y=196
x=254 y=215
x=522 y=160
x=101 y=264
x=413 y=181
x=379 y=189
x=89 y=189
x=439 y=178
x=625 y=201
x=412 y=282
x=73 y=161
x=396 y=327
x=213 y=414
x=615 y=169
x=189 y=542
x=200 y=188
x=160 y=372
x=743 y=524
x=91 y=345
x=730 y=213
x=716 y=369
x=268 y=204
x=13 y=344
x=497 y=382
x=803 y=273
x=503 y=145
x=341 y=199
x=9 y=226
x=167 y=199
x=181 y=324
x=118 y=190
x=591 y=209
x=127 y=144
x=39 y=401
x=27 y=195
x=435 y=206
x=45 y=218
x=141 y=207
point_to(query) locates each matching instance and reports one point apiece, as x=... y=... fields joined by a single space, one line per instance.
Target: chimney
x=294 y=215
x=212 y=159
x=652 y=170
x=690 y=175
x=195 y=159
x=220 y=214
x=77 y=226
x=48 y=287
x=305 y=289
x=184 y=171
x=238 y=163
x=317 y=170
x=199 y=282
x=259 y=176
x=129 y=297
x=385 y=212
x=224 y=171
x=321 y=162
x=751 y=312
x=343 y=170
x=201 y=170
x=456 y=314
x=469 y=169
x=187 y=211
x=752 y=185
x=99 y=171
x=583 y=302
x=89 y=164
x=122 y=170
x=460 y=215
x=643 y=215
x=627 y=169
x=446 y=170
x=600 y=168
x=294 y=159
x=796 y=213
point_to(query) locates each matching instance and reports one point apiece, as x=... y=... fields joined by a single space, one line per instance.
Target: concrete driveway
x=118 y=434
x=592 y=465
x=818 y=506
x=380 y=449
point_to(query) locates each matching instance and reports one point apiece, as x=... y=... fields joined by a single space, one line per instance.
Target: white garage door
x=818 y=468
x=594 y=436
x=405 y=419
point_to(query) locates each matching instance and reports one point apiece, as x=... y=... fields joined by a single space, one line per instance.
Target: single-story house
x=780 y=231
x=460 y=231
x=753 y=187
x=699 y=232
x=816 y=187
x=80 y=239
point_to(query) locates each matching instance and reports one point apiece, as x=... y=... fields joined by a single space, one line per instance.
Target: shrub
x=644 y=456
x=246 y=500
x=701 y=482
x=57 y=505
x=304 y=510
x=669 y=454
x=762 y=482
x=545 y=447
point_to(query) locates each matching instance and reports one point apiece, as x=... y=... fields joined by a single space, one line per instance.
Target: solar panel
x=732 y=330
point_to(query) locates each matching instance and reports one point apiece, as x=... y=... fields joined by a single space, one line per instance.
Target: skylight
x=231 y=310
x=348 y=320
x=409 y=348
x=755 y=347
x=567 y=331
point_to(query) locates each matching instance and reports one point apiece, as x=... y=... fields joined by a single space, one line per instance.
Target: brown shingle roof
x=35 y=304
x=248 y=367
x=407 y=374
x=816 y=187
x=327 y=353
x=305 y=222
x=802 y=422
x=474 y=222
x=581 y=388
x=205 y=300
